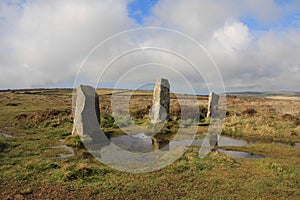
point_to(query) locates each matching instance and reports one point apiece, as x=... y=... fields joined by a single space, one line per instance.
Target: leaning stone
x=213 y=105
x=87 y=113
x=161 y=101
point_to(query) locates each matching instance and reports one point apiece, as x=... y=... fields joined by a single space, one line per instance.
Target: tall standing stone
x=213 y=105
x=161 y=101
x=87 y=113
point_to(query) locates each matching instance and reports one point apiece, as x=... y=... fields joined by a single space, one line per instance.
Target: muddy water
x=142 y=143
x=239 y=154
x=135 y=143
x=62 y=155
x=5 y=135
x=296 y=145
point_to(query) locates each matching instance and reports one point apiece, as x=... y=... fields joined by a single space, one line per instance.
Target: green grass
x=30 y=169
x=268 y=124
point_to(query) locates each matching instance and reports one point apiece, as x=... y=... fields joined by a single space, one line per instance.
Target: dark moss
x=249 y=112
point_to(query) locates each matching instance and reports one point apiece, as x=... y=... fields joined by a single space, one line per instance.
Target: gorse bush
x=107 y=121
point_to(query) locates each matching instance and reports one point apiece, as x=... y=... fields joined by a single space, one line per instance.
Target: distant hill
x=108 y=91
x=246 y=93
x=266 y=93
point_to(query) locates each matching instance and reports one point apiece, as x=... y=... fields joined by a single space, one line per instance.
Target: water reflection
x=134 y=143
x=143 y=143
x=239 y=154
x=296 y=145
x=62 y=155
x=5 y=135
x=227 y=141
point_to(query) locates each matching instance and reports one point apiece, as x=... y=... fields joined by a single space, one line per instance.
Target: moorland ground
x=37 y=119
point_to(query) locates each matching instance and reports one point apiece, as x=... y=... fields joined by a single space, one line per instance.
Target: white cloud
x=52 y=37
x=260 y=64
x=248 y=59
x=234 y=37
x=43 y=42
x=198 y=18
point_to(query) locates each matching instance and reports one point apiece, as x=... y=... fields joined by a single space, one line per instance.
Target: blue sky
x=139 y=9
x=256 y=44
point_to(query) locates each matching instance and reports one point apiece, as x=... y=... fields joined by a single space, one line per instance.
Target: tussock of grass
x=74 y=141
x=297 y=131
x=3 y=145
x=250 y=112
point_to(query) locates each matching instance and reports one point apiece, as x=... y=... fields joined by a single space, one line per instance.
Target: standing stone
x=87 y=113
x=161 y=101
x=213 y=105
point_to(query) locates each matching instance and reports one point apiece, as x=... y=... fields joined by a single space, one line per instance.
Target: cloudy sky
x=251 y=45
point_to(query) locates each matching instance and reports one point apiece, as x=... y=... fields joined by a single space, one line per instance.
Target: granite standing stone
x=213 y=105
x=161 y=101
x=87 y=113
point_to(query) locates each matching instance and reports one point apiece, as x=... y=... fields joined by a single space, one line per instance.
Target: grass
x=267 y=120
x=29 y=168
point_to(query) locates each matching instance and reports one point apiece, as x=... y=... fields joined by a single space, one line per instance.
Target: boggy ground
x=37 y=119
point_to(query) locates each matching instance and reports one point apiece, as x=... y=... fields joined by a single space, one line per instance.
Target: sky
x=247 y=45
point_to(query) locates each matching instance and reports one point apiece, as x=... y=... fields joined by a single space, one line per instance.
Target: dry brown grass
x=263 y=119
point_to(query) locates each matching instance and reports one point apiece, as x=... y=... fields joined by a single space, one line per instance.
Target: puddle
x=9 y=127
x=143 y=143
x=5 y=135
x=239 y=154
x=62 y=155
x=141 y=136
x=223 y=141
x=296 y=145
x=227 y=141
x=135 y=143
